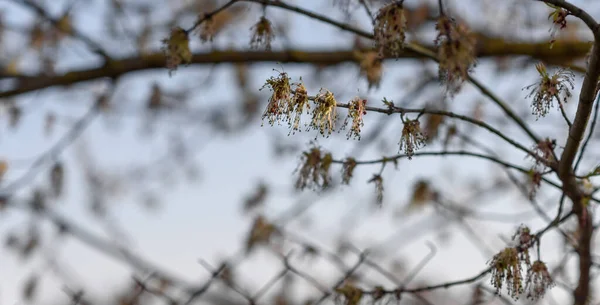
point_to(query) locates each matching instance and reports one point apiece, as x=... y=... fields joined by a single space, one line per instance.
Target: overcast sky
x=203 y=219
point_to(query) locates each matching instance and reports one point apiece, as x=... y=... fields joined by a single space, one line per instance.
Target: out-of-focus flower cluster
x=456 y=52
x=263 y=34
x=314 y=169
x=559 y=21
x=390 y=28
x=177 y=49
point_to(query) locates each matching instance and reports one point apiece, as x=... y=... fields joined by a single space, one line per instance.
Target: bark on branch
x=563 y=51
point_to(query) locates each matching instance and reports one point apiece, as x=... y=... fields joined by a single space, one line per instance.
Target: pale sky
x=202 y=220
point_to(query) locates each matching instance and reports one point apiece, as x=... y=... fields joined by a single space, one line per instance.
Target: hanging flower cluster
x=263 y=34
x=550 y=88
x=348 y=170
x=538 y=280
x=559 y=21
x=412 y=137
x=324 y=113
x=535 y=182
x=299 y=103
x=377 y=179
x=390 y=28
x=456 y=52
x=177 y=49
x=371 y=67
x=314 y=170
x=356 y=110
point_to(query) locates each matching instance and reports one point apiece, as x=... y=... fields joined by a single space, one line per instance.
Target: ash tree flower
x=559 y=21
x=456 y=53
x=348 y=170
x=506 y=269
x=550 y=88
x=390 y=28
x=412 y=137
x=263 y=34
x=371 y=67
x=538 y=280
x=356 y=111
x=324 y=113
x=279 y=105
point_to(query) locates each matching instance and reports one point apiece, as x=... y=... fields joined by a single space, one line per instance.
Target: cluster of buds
x=549 y=88
x=390 y=28
x=279 y=105
x=313 y=171
x=263 y=34
x=299 y=103
x=356 y=111
x=456 y=52
x=412 y=137
x=506 y=268
x=177 y=49
x=286 y=104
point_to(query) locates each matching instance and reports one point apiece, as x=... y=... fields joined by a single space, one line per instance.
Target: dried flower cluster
x=263 y=34
x=549 y=88
x=356 y=111
x=456 y=53
x=324 y=113
x=412 y=137
x=348 y=170
x=390 y=28
x=314 y=170
x=177 y=49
